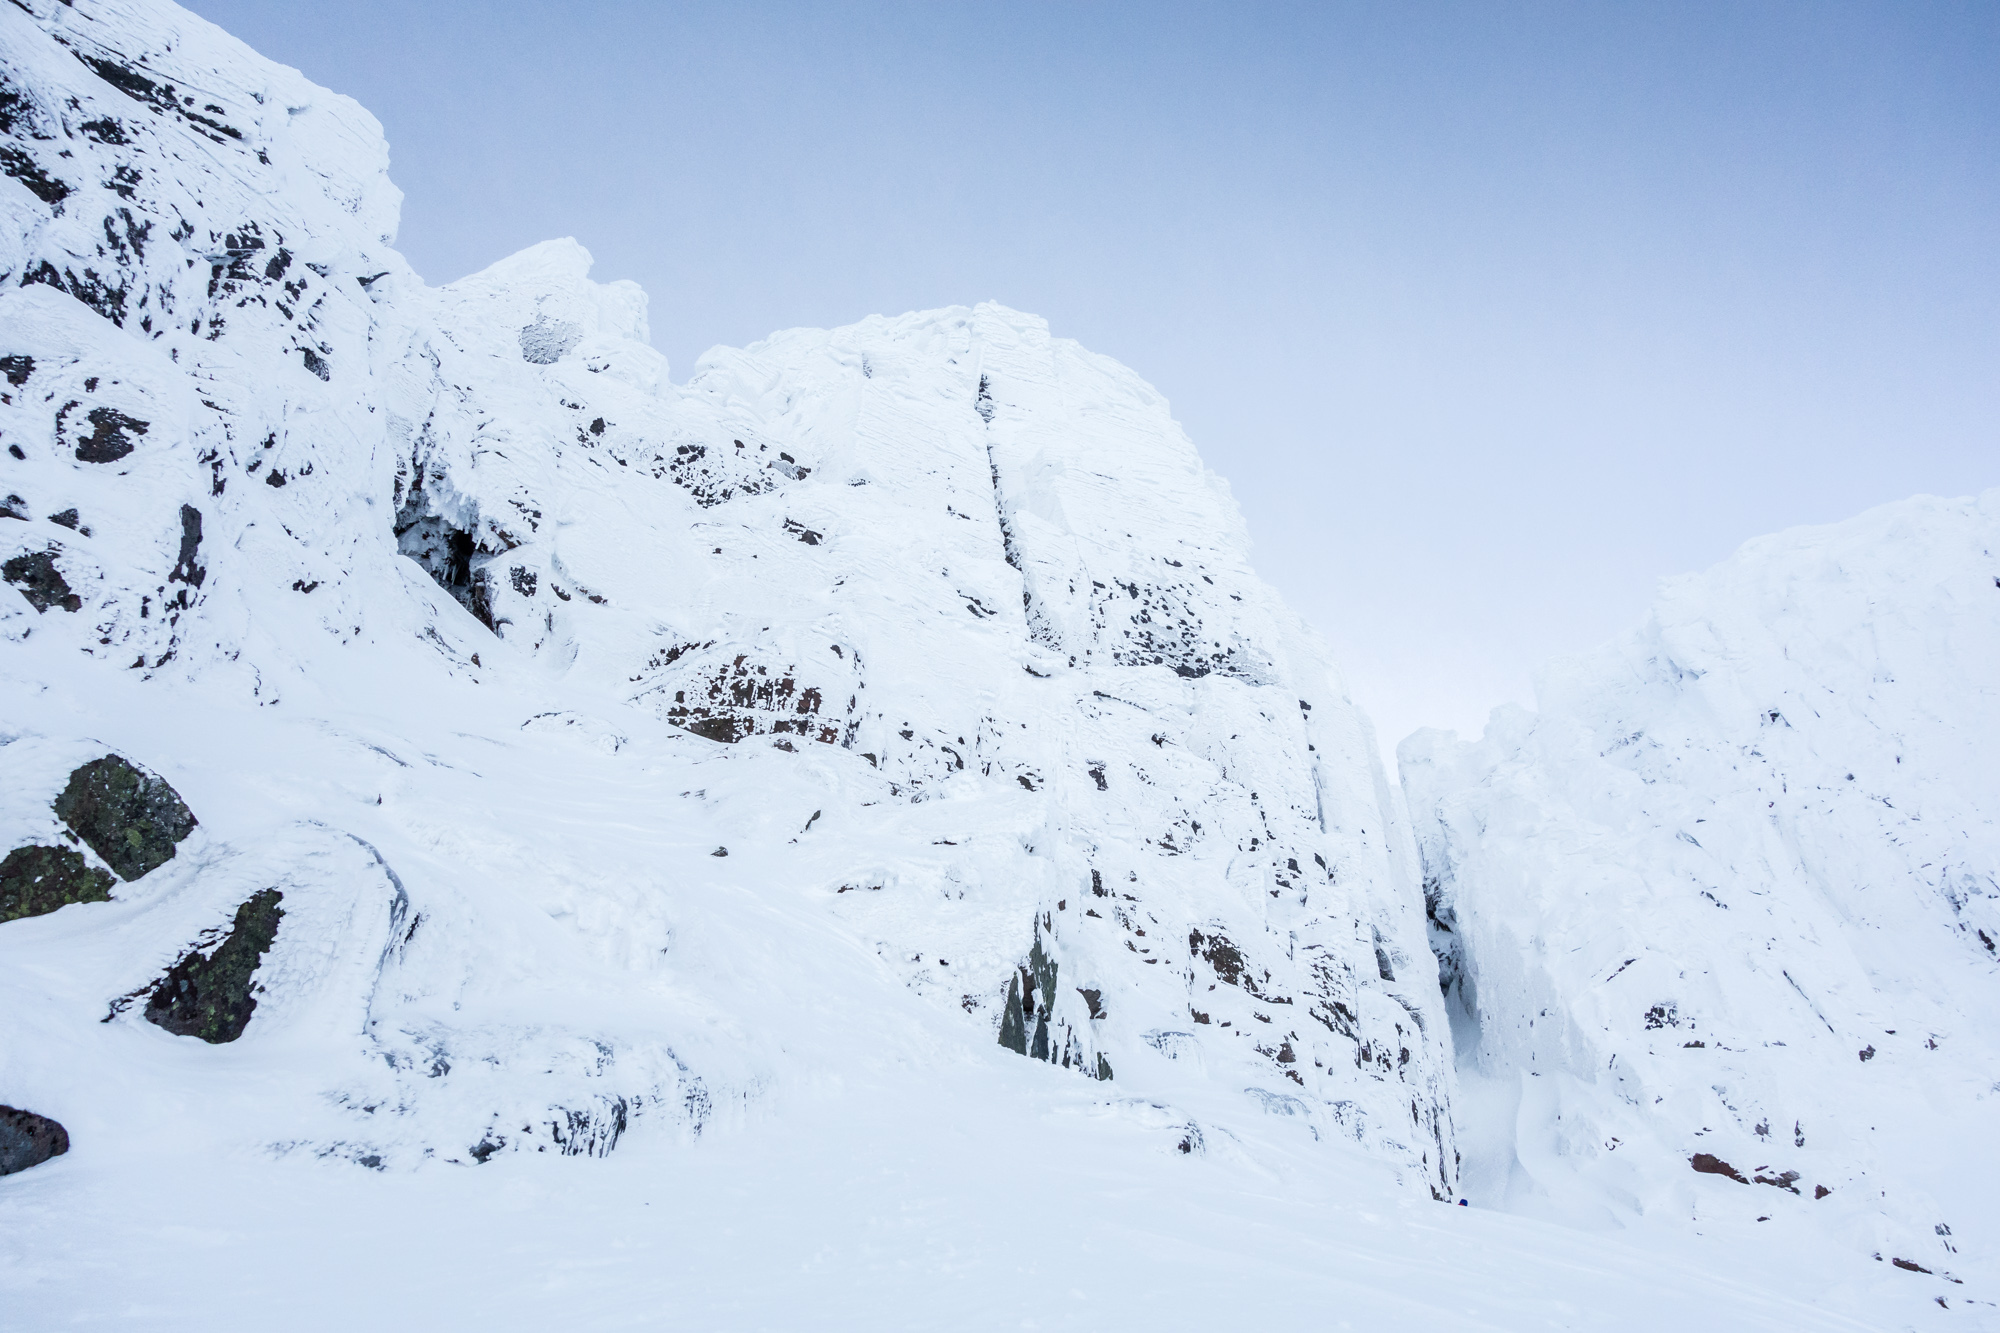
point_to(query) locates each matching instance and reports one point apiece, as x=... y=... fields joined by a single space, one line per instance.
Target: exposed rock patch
x=36 y=576
x=131 y=818
x=1711 y=1165
x=1030 y=1024
x=36 y=880
x=738 y=698
x=547 y=341
x=112 y=434
x=27 y=1139
x=210 y=997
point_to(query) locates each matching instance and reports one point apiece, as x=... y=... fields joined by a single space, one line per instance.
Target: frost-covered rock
x=1722 y=918
x=523 y=675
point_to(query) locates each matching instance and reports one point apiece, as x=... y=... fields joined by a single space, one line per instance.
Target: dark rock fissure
x=1028 y=1022
x=447 y=553
x=185 y=569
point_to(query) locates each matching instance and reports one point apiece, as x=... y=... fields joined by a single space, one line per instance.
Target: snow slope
x=1735 y=891
x=859 y=805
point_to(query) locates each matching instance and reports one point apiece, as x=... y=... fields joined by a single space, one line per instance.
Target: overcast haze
x=1491 y=315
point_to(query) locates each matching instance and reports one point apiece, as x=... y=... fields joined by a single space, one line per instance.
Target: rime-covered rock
x=1722 y=917
x=958 y=588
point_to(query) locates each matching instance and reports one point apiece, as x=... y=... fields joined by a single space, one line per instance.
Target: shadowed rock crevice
x=130 y=817
x=210 y=997
x=36 y=880
x=450 y=554
x=1030 y=1024
x=187 y=568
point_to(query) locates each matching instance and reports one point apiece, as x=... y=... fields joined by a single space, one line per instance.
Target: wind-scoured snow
x=847 y=839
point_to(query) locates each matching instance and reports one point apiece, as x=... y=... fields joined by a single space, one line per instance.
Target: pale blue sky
x=1491 y=313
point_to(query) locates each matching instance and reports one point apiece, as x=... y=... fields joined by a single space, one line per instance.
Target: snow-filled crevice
x=1039 y=628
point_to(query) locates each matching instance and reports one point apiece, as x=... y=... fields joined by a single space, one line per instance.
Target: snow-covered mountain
x=848 y=828
x=1720 y=921
x=970 y=581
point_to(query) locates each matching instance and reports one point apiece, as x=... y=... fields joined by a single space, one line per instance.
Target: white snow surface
x=676 y=790
x=1735 y=891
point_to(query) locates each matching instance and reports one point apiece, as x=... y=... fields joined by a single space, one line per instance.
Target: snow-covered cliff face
x=623 y=750
x=1723 y=917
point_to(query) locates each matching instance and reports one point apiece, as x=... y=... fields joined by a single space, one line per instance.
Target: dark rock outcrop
x=1013 y=1028
x=36 y=880
x=129 y=817
x=27 y=1139
x=1029 y=1023
x=112 y=434
x=210 y=997
x=40 y=581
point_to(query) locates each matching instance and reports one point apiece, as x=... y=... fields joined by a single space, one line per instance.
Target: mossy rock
x=35 y=881
x=129 y=817
x=210 y=997
x=27 y=1139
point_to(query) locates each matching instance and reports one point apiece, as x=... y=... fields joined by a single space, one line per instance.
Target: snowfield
x=849 y=841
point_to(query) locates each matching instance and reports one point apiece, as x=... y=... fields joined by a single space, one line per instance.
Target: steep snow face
x=627 y=725
x=1724 y=915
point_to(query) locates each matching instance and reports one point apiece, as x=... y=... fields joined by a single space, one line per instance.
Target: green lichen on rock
x=129 y=817
x=27 y=1139
x=36 y=880
x=210 y=997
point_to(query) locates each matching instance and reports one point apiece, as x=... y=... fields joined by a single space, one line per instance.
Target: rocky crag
x=945 y=565
x=433 y=736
